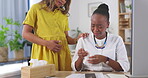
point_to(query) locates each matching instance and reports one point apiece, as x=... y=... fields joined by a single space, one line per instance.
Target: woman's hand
x=82 y=53
x=97 y=59
x=54 y=45
x=84 y=35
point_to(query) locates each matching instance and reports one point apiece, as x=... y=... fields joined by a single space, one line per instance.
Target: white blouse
x=114 y=49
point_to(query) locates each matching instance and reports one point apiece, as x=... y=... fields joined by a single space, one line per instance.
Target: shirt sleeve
x=31 y=16
x=122 y=58
x=75 y=57
x=66 y=24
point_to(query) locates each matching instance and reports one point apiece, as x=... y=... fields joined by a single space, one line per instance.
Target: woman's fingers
x=82 y=53
x=84 y=35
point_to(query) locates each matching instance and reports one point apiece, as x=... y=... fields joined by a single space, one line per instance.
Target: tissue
x=36 y=62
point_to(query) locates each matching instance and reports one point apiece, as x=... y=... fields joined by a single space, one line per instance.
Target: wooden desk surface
x=59 y=74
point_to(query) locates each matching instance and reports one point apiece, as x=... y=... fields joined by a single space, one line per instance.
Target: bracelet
x=107 y=60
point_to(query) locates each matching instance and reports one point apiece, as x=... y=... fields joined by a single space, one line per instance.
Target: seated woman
x=100 y=51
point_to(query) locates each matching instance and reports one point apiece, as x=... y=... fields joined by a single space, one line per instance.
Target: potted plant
x=17 y=46
x=16 y=43
x=128 y=6
x=3 y=43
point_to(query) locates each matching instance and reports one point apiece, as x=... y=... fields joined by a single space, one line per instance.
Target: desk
x=63 y=74
x=60 y=74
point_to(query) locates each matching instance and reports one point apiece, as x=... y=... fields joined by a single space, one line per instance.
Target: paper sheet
x=116 y=76
x=98 y=75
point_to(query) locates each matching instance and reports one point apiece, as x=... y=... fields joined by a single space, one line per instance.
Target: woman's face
x=60 y=3
x=99 y=24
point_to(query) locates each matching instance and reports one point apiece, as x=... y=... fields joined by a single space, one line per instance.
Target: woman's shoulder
x=113 y=36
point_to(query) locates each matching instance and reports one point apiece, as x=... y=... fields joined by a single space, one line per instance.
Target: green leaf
x=15 y=43
x=16 y=23
x=8 y=21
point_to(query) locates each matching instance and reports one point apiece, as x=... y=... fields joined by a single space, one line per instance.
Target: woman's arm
x=81 y=54
x=115 y=65
x=100 y=58
x=70 y=40
x=28 y=35
x=74 y=40
x=121 y=54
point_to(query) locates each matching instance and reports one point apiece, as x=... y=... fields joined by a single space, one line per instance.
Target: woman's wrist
x=81 y=58
x=107 y=60
x=44 y=43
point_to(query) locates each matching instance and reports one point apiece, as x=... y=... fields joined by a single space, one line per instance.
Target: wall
x=84 y=20
x=140 y=39
x=74 y=19
x=33 y=2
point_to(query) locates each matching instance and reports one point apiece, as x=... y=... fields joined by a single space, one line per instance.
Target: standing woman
x=49 y=21
x=100 y=51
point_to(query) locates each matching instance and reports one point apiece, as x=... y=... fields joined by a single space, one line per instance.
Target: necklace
x=100 y=47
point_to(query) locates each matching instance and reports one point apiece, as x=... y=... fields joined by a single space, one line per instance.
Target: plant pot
x=19 y=54
x=3 y=54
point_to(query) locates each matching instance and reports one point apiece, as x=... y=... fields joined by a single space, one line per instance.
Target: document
x=87 y=75
x=116 y=76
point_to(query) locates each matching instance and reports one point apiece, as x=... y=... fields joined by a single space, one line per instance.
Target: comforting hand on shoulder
x=84 y=35
x=54 y=45
x=97 y=59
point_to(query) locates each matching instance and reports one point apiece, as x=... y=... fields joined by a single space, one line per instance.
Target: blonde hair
x=51 y=4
